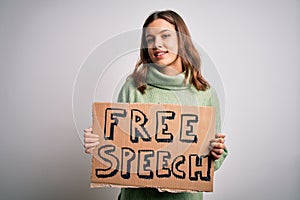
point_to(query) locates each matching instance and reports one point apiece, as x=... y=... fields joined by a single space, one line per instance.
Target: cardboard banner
x=153 y=145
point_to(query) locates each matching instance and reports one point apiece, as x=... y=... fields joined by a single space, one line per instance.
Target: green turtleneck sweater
x=166 y=89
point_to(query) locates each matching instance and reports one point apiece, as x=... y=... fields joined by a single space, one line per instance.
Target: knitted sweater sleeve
x=123 y=95
x=214 y=102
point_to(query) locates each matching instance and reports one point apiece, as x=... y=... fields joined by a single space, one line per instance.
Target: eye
x=165 y=36
x=150 y=40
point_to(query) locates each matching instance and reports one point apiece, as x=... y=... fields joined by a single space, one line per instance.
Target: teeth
x=159 y=54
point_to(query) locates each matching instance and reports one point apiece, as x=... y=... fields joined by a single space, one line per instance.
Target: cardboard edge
x=137 y=103
x=102 y=185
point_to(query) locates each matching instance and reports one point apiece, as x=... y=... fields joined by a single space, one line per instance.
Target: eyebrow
x=164 y=30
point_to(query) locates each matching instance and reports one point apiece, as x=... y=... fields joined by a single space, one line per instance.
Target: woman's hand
x=217 y=146
x=90 y=140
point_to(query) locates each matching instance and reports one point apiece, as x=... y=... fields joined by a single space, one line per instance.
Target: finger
x=221 y=140
x=89 y=145
x=220 y=135
x=89 y=150
x=218 y=145
x=211 y=146
x=213 y=141
x=215 y=156
x=88 y=130
x=217 y=151
x=217 y=140
x=90 y=135
x=90 y=140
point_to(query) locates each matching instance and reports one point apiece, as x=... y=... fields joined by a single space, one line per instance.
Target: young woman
x=168 y=71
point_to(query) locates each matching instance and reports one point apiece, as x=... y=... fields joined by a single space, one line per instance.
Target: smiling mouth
x=160 y=54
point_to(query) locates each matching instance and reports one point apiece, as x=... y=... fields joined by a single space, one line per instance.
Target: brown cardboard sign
x=161 y=146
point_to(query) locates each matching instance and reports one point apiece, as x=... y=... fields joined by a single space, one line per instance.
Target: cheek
x=173 y=47
x=150 y=52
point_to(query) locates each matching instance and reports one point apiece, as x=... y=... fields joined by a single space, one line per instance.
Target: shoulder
x=206 y=97
x=208 y=92
x=212 y=92
x=128 y=89
x=213 y=97
x=129 y=84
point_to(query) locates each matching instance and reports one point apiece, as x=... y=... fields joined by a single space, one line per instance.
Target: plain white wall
x=254 y=44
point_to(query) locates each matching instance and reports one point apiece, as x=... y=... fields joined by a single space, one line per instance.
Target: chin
x=162 y=63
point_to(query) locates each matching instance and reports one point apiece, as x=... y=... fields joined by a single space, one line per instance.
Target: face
x=162 y=44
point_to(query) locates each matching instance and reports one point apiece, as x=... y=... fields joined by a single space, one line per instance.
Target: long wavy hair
x=189 y=55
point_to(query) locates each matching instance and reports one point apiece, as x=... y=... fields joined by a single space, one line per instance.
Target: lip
x=159 y=54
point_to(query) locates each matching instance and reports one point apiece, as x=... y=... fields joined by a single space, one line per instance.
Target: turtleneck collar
x=157 y=79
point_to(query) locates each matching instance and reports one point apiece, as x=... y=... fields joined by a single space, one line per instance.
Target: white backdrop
x=254 y=44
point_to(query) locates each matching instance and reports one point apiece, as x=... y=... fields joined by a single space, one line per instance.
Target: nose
x=158 y=43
